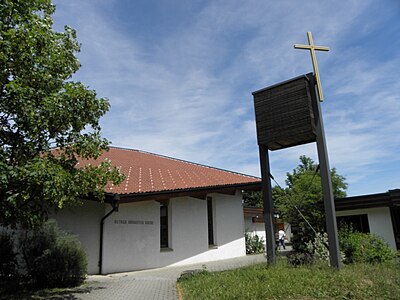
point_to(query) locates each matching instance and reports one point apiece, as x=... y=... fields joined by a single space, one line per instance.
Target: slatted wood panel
x=284 y=114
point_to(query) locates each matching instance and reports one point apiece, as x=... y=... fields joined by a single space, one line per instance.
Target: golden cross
x=312 y=49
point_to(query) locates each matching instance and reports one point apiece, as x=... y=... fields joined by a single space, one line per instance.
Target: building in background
x=375 y=213
x=254 y=223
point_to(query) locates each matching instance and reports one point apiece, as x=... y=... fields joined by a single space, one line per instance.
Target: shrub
x=301 y=235
x=53 y=258
x=319 y=248
x=296 y=259
x=8 y=257
x=254 y=244
x=361 y=247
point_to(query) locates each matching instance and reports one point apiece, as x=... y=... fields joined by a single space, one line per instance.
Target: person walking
x=281 y=239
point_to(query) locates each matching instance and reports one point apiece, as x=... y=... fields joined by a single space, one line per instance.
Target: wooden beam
x=268 y=205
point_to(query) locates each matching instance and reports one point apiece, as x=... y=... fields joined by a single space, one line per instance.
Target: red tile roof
x=151 y=173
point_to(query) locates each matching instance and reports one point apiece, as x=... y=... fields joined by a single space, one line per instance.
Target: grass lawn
x=359 y=281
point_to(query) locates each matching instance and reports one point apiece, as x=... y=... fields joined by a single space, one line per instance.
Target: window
x=358 y=222
x=395 y=213
x=210 y=221
x=164 y=225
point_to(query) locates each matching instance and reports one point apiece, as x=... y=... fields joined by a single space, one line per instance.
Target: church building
x=167 y=212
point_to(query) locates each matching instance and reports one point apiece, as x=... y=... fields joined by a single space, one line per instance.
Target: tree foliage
x=252 y=199
x=301 y=202
x=305 y=172
x=42 y=108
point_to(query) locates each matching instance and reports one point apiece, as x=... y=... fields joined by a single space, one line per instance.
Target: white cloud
x=187 y=93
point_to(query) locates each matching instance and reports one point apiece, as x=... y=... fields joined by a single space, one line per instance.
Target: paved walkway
x=150 y=284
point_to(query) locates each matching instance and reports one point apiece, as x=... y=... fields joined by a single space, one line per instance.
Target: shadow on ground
x=54 y=294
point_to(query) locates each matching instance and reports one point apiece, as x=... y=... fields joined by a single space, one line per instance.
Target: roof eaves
x=368 y=201
x=166 y=194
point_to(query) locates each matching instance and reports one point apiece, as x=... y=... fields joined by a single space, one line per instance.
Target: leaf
x=41 y=108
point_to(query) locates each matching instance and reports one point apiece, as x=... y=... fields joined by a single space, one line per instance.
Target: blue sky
x=179 y=77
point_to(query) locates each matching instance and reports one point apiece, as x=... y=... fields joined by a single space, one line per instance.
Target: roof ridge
x=185 y=161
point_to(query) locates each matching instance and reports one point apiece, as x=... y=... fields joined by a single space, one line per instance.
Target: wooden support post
x=268 y=205
x=329 y=204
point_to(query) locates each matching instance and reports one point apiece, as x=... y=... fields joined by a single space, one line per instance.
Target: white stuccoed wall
x=379 y=220
x=132 y=246
x=136 y=246
x=190 y=233
x=132 y=235
x=84 y=221
x=254 y=228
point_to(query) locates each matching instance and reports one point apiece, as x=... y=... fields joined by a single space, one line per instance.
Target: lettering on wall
x=133 y=222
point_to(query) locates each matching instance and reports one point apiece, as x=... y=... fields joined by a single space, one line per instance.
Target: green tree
x=41 y=109
x=252 y=198
x=301 y=202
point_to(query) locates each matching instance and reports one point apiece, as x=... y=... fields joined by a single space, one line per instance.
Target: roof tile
x=147 y=172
